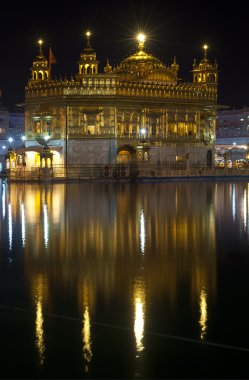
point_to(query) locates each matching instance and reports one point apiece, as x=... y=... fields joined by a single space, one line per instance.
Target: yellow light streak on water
x=39 y=329
x=203 y=313
x=86 y=333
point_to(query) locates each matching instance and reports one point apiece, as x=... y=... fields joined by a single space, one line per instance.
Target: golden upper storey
x=140 y=74
x=144 y=66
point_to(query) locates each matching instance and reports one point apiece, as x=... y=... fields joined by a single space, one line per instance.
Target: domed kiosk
x=145 y=67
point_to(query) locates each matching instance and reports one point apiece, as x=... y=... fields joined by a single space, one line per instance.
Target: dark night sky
x=173 y=29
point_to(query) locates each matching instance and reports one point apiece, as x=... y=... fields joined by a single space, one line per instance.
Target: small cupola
x=40 y=69
x=205 y=71
x=88 y=64
x=107 y=68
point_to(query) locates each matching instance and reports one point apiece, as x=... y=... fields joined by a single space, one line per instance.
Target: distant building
x=232 y=135
x=138 y=112
x=17 y=125
x=4 y=120
x=12 y=126
x=232 y=126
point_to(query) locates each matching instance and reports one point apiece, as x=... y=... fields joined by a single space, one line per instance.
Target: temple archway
x=125 y=154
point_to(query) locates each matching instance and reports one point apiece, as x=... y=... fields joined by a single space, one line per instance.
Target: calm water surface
x=124 y=280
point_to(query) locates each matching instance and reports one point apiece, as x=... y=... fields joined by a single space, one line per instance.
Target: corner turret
x=88 y=64
x=205 y=72
x=40 y=69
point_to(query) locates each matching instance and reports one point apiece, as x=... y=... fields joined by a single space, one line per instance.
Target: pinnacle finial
x=141 y=39
x=205 y=47
x=40 y=42
x=88 y=35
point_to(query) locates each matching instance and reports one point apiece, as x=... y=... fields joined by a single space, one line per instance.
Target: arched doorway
x=125 y=154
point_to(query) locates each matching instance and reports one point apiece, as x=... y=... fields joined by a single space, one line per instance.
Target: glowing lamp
x=141 y=38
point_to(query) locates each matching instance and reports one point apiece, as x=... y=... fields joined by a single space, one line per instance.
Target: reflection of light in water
x=203 y=313
x=45 y=212
x=233 y=201
x=10 y=225
x=247 y=201
x=245 y=209
x=3 y=200
x=23 y=224
x=86 y=333
x=139 y=306
x=56 y=205
x=142 y=231
x=39 y=329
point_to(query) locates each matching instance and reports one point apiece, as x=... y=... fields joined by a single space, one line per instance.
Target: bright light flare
x=141 y=37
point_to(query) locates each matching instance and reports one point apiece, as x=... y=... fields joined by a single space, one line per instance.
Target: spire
x=205 y=47
x=141 y=39
x=107 y=68
x=175 y=67
x=40 y=42
x=88 y=35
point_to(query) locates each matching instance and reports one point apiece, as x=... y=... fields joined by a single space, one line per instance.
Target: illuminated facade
x=138 y=112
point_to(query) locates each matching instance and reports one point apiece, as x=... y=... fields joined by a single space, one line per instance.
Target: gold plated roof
x=144 y=66
x=141 y=56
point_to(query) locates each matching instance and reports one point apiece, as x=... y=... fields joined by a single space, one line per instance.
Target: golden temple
x=139 y=112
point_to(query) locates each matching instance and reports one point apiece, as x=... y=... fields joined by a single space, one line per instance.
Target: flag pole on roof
x=51 y=60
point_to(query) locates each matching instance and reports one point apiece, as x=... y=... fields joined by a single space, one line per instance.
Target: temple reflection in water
x=103 y=243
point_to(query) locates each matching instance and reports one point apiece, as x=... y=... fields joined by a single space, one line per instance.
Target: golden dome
x=40 y=59
x=141 y=56
x=144 y=66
